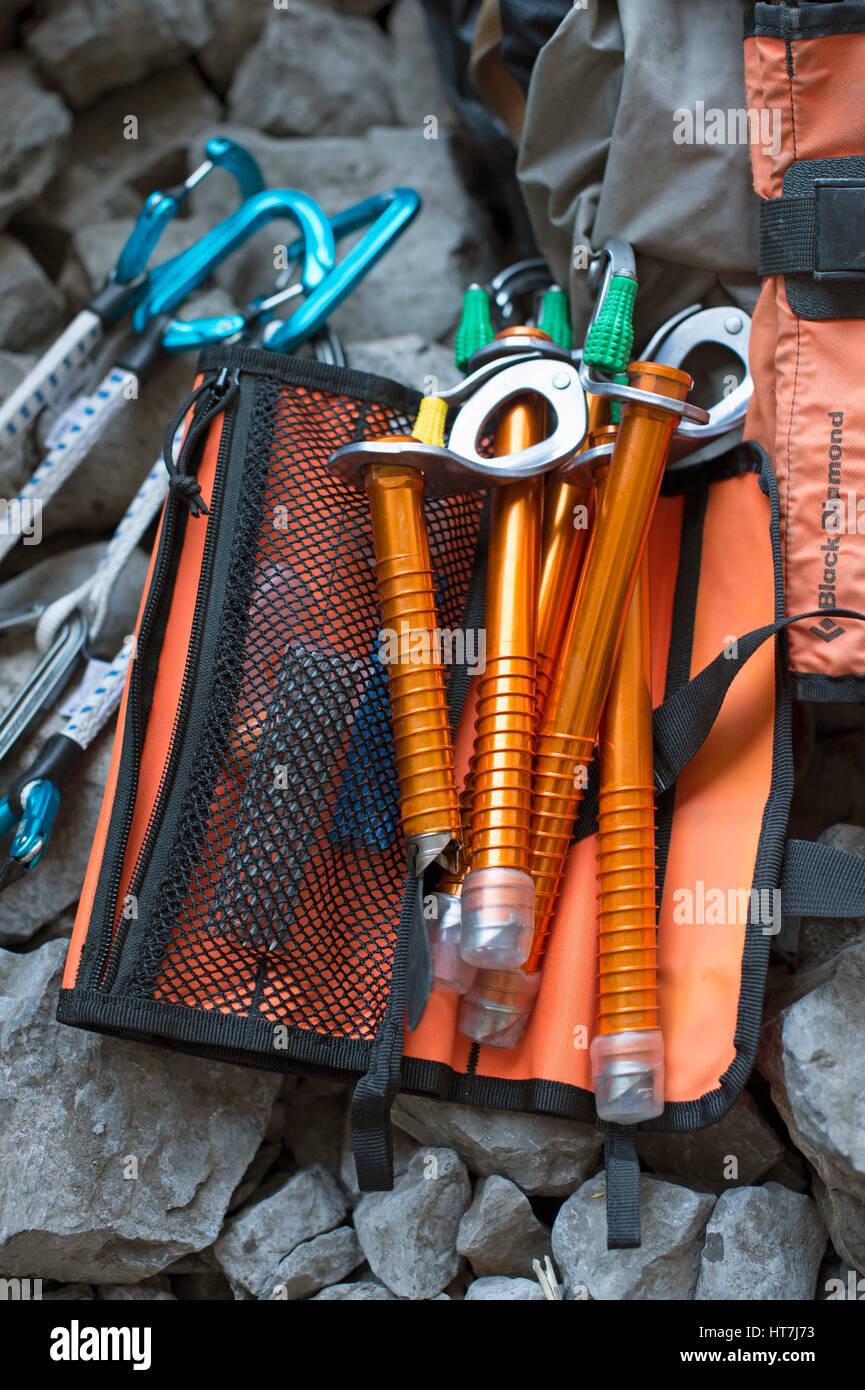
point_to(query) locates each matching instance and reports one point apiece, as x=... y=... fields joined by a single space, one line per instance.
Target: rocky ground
x=132 y=1173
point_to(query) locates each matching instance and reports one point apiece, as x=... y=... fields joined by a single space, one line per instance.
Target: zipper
x=209 y=400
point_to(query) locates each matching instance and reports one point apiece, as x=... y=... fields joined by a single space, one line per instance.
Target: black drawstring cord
x=182 y=483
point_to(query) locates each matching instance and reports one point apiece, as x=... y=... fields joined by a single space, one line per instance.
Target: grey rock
x=95 y=246
x=419 y=283
x=543 y=1156
x=820 y=938
x=415 y=83
x=360 y=1292
x=409 y=1234
x=791 y=1171
x=666 y=1265
x=742 y=1144
x=259 y=1237
x=500 y=1233
x=456 y=1289
x=88 y=47
x=199 y=1262
x=72 y=1209
x=315 y=1263
x=149 y=1290
x=489 y=1290
x=761 y=1243
x=235 y=28
x=428 y=367
x=812 y=1054
x=109 y=174
x=202 y=1287
x=404 y=1150
x=69 y=1293
x=34 y=131
x=255 y=1175
x=31 y=308
x=311 y=1120
x=844 y=1218
x=343 y=90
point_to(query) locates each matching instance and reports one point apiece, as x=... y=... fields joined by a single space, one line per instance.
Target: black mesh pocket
x=279 y=897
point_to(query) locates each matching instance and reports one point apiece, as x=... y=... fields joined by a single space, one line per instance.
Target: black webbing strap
x=788 y=236
x=372 y=1135
x=683 y=722
x=375 y=1092
x=623 y=1187
x=819 y=881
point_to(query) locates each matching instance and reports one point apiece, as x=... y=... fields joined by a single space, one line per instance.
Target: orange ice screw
x=627 y=1053
x=576 y=703
x=575 y=706
x=498 y=893
x=424 y=748
x=563 y=546
x=497 y=1003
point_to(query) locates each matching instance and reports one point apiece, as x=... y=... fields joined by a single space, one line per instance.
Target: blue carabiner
x=31 y=831
x=390 y=213
x=161 y=207
x=192 y=267
x=386 y=216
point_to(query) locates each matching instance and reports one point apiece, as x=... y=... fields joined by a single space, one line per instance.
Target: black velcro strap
x=787 y=236
x=623 y=1187
x=820 y=232
x=819 y=881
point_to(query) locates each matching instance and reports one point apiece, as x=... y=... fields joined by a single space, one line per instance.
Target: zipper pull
x=207 y=401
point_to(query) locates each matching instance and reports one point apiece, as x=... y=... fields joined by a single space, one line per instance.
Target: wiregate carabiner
x=187 y=271
x=389 y=213
x=386 y=216
x=161 y=207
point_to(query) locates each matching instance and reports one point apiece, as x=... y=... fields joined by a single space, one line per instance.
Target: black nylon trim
x=813 y=686
x=806 y=21
x=323 y=376
x=623 y=1187
x=248 y=1042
